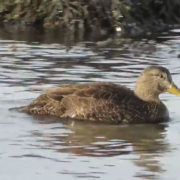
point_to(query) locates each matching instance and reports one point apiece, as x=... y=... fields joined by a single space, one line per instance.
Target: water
x=46 y=148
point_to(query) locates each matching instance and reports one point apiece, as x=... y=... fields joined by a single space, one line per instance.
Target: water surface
x=34 y=147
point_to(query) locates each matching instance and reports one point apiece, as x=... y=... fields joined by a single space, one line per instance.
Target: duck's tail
x=20 y=109
x=36 y=107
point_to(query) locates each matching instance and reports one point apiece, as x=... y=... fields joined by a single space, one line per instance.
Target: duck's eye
x=161 y=76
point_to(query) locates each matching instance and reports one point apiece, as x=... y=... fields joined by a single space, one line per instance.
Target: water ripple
x=32 y=144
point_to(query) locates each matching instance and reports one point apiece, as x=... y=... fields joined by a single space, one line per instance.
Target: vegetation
x=96 y=17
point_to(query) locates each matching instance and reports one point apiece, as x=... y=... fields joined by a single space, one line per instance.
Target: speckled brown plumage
x=109 y=103
x=104 y=102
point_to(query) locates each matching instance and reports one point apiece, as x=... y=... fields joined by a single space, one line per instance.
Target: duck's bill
x=174 y=90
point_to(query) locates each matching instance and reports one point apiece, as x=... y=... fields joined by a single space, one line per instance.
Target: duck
x=108 y=102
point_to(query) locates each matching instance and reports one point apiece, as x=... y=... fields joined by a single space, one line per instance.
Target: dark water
x=46 y=148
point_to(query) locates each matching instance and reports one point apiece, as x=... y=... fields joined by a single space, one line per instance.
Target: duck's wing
x=60 y=92
x=98 y=90
x=96 y=102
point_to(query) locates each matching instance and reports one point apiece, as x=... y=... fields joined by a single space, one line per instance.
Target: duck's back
x=104 y=102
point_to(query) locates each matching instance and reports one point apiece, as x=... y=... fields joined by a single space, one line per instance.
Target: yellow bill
x=174 y=90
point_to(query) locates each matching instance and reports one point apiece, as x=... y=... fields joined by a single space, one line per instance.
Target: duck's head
x=153 y=81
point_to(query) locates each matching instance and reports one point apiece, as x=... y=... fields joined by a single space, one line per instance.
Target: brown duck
x=107 y=102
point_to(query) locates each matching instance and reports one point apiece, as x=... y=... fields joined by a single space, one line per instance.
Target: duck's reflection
x=145 y=142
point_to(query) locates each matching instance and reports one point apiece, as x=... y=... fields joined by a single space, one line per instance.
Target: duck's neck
x=146 y=92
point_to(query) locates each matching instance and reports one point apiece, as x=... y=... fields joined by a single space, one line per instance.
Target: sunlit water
x=47 y=148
